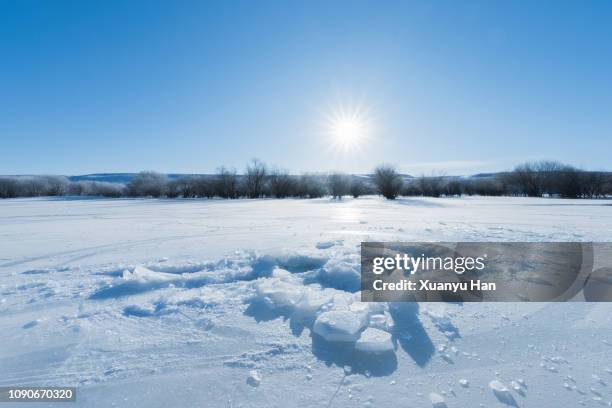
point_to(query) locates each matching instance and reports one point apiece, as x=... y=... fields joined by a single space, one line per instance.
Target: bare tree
x=255 y=176
x=79 y=188
x=281 y=184
x=594 y=184
x=338 y=184
x=185 y=186
x=357 y=188
x=148 y=184
x=173 y=189
x=227 y=183
x=203 y=187
x=310 y=186
x=568 y=183
x=388 y=181
x=412 y=188
x=433 y=185
x=9 y=187
x=107 y=189
x=526 y=176
x=490 y=186
x=56 y=185
x=453 y=188
x=547 y=175
x=550 y=178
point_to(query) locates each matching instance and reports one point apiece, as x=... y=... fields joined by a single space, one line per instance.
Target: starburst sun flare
x=348 y=130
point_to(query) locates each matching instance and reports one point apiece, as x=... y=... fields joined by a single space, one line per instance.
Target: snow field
x=189 y=303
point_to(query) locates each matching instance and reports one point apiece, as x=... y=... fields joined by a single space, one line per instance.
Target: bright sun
x=347 y=130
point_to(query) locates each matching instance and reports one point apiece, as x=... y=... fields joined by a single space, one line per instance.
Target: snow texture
x=145 y=302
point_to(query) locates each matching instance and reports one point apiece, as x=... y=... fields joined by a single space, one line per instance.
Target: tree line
x=538 y=179
x=532 y=179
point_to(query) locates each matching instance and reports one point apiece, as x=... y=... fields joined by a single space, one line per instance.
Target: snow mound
x=338 y=326
x=374 y=341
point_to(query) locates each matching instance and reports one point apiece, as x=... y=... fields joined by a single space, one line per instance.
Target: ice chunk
x=139 y=310
x=374 y=341
x=382 y=321
x=437 y=401
x=31 y=324
x=338 y=325
x=254 y=378
x=145 y=275
x=364 y=310
x=517 y=387
x=440 y=318
x=502 y=392
x=311 y=302
x=278 y=292
x=464 y=382
x=327 y=244
x=342 y=273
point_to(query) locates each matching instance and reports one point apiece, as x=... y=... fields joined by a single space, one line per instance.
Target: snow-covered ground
x=188 y=303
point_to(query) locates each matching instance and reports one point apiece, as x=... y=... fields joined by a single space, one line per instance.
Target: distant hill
x=120 y=177
x=126 y=177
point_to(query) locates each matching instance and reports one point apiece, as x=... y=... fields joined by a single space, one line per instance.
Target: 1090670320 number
x=41 y=394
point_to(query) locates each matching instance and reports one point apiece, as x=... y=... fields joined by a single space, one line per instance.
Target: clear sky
x=185 y=86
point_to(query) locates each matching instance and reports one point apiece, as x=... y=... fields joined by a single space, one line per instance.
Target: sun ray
x=347 y=128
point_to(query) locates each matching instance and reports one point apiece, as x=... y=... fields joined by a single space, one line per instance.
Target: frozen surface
x=255 y=303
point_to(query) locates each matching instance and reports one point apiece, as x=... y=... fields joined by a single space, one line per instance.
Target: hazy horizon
x=428 y=169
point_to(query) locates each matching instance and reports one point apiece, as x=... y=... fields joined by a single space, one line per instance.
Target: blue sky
x=185 y=86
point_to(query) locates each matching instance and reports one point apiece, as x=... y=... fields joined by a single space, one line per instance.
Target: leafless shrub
x=185 y=186
x=527 y=179
x=78 y=188
x=594 y=184
x=551 y=178
x=148 y=184
x=311 y=186
x=491 y=186
x=255 y=175
x=56 y=185
x=358 y=188
x=172 y=189
x=194 y=186
x=281 y=184
x=103 y=189
x=432 y=186
x=9 y=187
x=203 y=187
x=227 y=183
x=453 y=188
x=388 y=181
x=338 y=185
x=412 y=188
